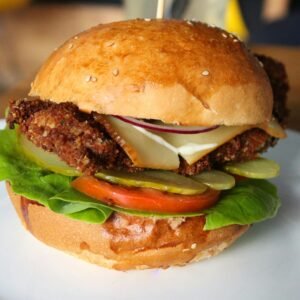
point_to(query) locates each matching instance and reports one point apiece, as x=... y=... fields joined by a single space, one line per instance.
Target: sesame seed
x=147 y=19
x=115 y=72
x=93 y=79
x=185 y=250
x=70 y=46
x=231 y=35
x=88 y=78
x=224 y=35
x=189 y=22
x=135 y=88
x=205 y=73
x=76 y=38
x=193 y=246
x=261 y=64
x=109 y=43
x=235 y=40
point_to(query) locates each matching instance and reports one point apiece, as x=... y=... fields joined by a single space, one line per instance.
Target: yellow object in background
x=11 y=4
x=234 y=21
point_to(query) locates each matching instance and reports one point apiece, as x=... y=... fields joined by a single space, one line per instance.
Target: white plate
x=263 y=264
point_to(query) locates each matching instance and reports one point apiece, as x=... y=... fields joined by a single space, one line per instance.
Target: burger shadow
x=287 y=154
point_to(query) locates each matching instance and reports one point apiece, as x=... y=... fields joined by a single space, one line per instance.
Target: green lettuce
x=248 y=202
x=26 y=178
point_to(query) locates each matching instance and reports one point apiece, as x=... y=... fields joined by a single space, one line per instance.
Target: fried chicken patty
x=81 y=140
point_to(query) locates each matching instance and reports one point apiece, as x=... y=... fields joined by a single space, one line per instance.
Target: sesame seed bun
x=176 y=71
x=126 y=242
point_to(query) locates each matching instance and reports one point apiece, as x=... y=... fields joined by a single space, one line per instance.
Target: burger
x=139 y=145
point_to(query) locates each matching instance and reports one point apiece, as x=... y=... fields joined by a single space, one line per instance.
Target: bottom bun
x=126 y=242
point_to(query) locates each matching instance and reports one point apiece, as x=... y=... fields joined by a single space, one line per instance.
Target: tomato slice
x=144 y=198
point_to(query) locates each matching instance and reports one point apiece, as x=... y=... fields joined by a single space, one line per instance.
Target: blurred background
x=31 y=29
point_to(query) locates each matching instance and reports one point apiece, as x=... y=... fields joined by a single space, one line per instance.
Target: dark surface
x=284 y=31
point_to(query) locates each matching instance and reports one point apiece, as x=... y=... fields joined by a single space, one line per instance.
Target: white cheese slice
x=145 y=149
x=161 y=150
x=192 y=147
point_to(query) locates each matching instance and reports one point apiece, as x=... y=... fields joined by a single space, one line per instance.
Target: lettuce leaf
x=31 y=181
x=248 y=202
x=26 y=178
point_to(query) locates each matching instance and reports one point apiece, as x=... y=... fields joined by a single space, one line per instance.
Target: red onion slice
x=166 y=128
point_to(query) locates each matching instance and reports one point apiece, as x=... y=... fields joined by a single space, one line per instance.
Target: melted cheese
x=160 y=150
x=192 y=147
x=145 y=149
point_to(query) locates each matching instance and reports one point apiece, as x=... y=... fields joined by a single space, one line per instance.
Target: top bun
x=179 y=72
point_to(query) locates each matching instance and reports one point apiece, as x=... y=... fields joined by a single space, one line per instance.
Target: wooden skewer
x=160 y=9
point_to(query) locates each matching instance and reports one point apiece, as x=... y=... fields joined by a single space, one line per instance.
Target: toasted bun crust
x=175 y=71
x=126 y=242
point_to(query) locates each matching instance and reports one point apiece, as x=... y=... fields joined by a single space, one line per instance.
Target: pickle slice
x=159 y=180
x=260 y=168
x=216 y=180
x=44 y=159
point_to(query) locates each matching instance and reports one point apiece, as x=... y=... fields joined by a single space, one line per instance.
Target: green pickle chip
x=216 y=180
x=260 y=168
